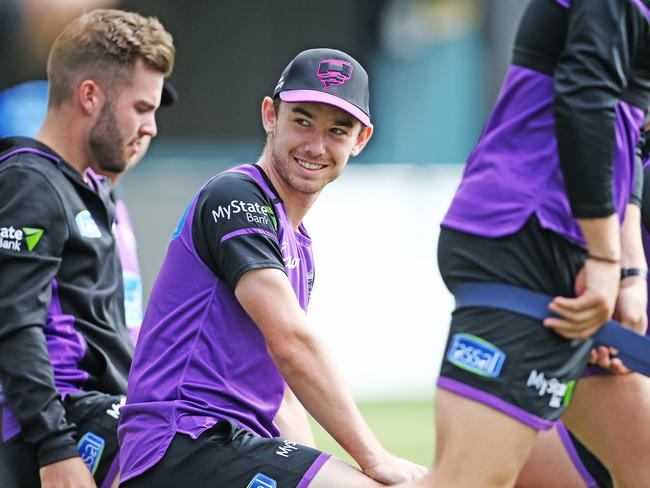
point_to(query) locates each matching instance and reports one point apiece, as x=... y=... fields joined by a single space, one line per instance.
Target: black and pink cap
x=327 y=76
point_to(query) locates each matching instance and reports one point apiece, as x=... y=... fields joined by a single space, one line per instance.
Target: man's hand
x=605 y=357
x=69 y=473
x=391 y=470
x=596 y=294
x=631 y=312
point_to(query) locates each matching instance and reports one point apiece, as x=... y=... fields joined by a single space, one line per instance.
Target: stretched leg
x=336 y=472
x=610 y=415
x=550 y=465
x=477 y=445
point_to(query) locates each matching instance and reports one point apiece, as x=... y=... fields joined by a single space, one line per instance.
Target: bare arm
x=633 y=294
x=310 y=371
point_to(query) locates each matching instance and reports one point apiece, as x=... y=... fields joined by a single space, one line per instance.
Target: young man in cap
x=226 y=355
x=64 y=348
x=549 y=202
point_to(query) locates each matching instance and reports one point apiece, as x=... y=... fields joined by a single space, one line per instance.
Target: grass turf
x=404 y=427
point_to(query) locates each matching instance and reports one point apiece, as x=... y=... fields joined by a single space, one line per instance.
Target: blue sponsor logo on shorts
x=90 y=448
x=262 y=481
x=475 y=355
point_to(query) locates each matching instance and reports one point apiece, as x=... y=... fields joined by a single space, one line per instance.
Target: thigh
x=553 y=464
x=230 y=457
x=590 y=467
x=477 y=445
x=18 y=464
x=338 y=473
x=609 y=414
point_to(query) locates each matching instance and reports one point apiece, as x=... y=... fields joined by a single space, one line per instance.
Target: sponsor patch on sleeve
x=475 y=355
x=19 y=238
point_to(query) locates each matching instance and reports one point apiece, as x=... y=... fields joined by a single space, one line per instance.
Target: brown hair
x=104 y=45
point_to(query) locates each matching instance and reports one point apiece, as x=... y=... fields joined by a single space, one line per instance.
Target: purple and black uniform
x=559 y=145
x=64 y=348
x=201 y=368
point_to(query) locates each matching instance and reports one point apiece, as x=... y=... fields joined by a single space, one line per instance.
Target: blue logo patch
x=475 y=355
x=87 y=225
x=262 y=481
x=90 y=448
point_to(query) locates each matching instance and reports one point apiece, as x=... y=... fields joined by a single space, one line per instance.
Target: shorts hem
x=519 y=414
x=313 y=470
x=575 y=457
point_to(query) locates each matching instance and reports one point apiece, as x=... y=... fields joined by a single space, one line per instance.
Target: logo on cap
x=333 y=72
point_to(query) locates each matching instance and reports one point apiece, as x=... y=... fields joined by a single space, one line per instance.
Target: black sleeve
x=589 y=78
x=32 y=232
x=637 y=190
x=234 y=228
x=645 y=199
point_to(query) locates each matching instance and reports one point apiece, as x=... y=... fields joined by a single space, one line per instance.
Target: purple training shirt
x=200 y=358
x=506 y=182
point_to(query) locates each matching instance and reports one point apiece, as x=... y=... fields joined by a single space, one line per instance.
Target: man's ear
x=362 y=139
x=91 y=97
x=269 y=117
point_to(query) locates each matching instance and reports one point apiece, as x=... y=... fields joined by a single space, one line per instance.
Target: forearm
x=28 y=381
x=305 y=363
x=310 y=371
x=632 y=254
x=603 y=237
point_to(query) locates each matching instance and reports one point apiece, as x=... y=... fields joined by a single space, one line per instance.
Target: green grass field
x=404 y=427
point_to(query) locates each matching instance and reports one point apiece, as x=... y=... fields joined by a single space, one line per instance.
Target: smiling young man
x=225 y=342
x=64 y=347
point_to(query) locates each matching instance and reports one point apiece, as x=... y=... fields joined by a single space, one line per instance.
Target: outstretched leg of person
x=610 y=415
x=477 y=445
x=550 y=464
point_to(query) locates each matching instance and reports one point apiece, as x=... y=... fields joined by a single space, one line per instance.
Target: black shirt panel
x=234 y=227
x=541 y=36
x=639 y=176
x=645 y=200
x=25 y=291
x=597 y=52
x=593 y=71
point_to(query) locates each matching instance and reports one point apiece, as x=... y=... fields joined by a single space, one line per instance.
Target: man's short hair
x=104 y=45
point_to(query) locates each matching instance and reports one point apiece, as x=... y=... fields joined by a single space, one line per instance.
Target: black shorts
x=227 y=456
x=96 y=416
x=508 y=361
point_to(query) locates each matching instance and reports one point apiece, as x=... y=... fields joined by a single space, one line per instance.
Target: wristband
x=603 y=259
x=627 y=272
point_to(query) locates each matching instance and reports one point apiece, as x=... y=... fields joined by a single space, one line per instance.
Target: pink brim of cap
x=293 y=96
